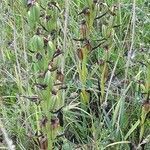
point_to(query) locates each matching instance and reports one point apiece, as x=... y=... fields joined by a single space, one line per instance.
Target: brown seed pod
x=80 y=53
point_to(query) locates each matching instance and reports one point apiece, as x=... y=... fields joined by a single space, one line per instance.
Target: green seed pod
x=36 y=43
x=51 y=45
x=50 y=48
x=107 y=31
x=34 y=15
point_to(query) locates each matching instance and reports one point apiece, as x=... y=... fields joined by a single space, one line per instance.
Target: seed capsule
x=80 y=53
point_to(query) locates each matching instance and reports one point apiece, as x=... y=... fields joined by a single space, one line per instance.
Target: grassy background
x=101 y=81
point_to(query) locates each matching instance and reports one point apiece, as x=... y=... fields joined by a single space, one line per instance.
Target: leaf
x=132 y=129
x=34 y=15
x=115 y=143
x=36 y=43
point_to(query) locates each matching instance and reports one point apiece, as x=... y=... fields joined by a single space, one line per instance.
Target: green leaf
x=132 y=129
x=36 y=43
x=34 y=15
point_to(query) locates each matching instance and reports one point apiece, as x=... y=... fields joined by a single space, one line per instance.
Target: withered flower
x=60 y=76
x=87 y=45
x=54 y=123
